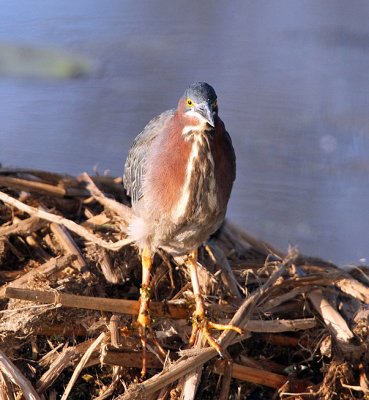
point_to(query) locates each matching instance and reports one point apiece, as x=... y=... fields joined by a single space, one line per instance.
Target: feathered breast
x=189 y=177
x=167 y=163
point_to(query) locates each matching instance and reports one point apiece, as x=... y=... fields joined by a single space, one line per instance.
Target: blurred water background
x=292 y=79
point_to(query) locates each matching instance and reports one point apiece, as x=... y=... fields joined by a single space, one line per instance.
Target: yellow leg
x=199 y=320
x=143 y=314
x=143 y=319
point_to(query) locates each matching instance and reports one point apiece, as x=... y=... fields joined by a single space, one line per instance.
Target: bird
x=179 y=175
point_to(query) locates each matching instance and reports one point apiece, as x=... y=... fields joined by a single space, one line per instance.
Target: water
x=292 y=81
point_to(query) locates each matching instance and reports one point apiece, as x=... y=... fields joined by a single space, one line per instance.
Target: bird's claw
x=201 y=323
x=144 y=328
x=143 y=319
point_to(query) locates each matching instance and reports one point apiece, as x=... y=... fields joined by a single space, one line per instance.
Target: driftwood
x=68 y=244
x=50 y=267
x=95 y=303
x=63 y=243
x=227 y=379
x=13 y=373
x=187 y=364
x=332 y=318
x=39 y=187
x=61 y=361
x=177 y=311
x=81 y=364
x=22 y=227
x=252 y=375
x=130 y=359
x=6 y=392
x=64 y=360
x=71 y=225
x=124 y=212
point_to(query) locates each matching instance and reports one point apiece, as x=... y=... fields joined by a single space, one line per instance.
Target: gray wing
x=135 y=166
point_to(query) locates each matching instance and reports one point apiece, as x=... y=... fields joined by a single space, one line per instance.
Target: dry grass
x=69 y=299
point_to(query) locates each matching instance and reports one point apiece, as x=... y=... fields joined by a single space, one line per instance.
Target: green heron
x=179 y=174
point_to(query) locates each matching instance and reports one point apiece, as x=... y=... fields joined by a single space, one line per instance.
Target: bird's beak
x=206 y=111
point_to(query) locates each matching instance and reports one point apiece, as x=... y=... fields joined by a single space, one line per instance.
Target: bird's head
x=199 y=104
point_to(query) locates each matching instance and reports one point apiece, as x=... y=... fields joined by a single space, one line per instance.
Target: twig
x=262 y=363
x=190 y=384
x=63 y=360
x=280 y=325
x=187 y=364
x=227 y=367
x=47 y=359
x=13 y=373
x=6 y=392
x=112 y=275
x=244 y=313
x=72 y=226
x=115 y=339
x=171 y=310
x=177 y=311
x=253 y=375
x=96 y=221
x=22 y=227
x=81 y=364
x=356 y=388
x=69 y=356
x=8 y=276
x=191 y=381
x=218 y=257
x=61 y=330
x=285 y=341
x=178 y=369
x=53 y=177
x=68 y=244
x=47 y=269
x=272 y=326
x=40 y=187
x=332 y=318
x=353 y=288
x=129 y=358
x=39 y=251
x=119 y=209
x=283 y=298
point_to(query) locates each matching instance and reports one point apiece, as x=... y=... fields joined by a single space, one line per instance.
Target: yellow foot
x=202 y=324
x=145 y=331
x=143 y=319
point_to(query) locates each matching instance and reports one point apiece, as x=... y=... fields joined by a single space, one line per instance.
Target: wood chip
x=13 y=373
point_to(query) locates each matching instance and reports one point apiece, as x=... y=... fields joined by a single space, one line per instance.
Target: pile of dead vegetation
x=69 y=299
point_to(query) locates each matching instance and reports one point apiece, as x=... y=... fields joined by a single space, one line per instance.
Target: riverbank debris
x=69 y=289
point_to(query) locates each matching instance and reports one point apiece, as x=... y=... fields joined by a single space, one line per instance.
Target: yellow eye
x=189 y=102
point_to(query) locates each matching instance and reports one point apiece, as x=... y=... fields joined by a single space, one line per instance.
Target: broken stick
x=47 y=269
x=72 y=226
x=177 y=311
